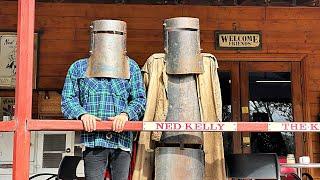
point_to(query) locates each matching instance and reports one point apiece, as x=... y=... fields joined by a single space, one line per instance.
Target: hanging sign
x=8 y=48
x=235 y=40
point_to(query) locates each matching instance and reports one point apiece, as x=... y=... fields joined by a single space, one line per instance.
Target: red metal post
x=23 y=95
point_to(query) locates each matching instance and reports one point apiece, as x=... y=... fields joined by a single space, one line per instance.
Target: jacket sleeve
x=70 y=104
x=216 y=88
x=137 y=96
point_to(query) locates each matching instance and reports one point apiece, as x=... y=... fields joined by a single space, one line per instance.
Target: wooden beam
x=7 y=126
x=259 y=57
x=76 y=125
x=23 y=95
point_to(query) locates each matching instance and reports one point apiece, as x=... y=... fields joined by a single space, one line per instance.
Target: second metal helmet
x=182 y=45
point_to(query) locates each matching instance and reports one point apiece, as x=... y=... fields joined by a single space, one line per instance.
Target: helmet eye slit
x=109 y=32
x=182 y=29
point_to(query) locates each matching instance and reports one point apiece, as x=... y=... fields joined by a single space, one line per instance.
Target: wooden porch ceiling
x=314 y=3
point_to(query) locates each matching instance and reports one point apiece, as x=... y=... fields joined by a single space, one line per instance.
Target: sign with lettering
x=190 y=126
x=233 y=126
x=234 y=40
x=8 y=51
x=294 y=127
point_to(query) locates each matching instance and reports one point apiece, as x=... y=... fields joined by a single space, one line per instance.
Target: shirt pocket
x=89 y=93
x=120 y=94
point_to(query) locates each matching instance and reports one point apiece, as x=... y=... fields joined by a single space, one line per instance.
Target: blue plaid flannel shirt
x=103 y=97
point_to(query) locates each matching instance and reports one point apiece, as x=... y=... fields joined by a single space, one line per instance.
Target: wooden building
x=288 y=60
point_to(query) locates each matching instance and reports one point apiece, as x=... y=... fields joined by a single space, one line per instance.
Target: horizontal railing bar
x=76 y=125
x=7 y=126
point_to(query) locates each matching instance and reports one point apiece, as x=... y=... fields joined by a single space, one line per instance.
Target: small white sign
x=190 y=126
x=294 y=127
x=241 y=40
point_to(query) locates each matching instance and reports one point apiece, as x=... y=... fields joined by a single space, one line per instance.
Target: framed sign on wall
x=238 y=40
x=8 y=54
x=6 y=107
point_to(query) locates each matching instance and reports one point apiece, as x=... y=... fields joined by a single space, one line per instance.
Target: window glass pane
x=270 y=100
x=225 y=85
x=51 y=160
x=54 y=142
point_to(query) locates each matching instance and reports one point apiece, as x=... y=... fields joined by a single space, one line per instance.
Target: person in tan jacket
x=155 y=74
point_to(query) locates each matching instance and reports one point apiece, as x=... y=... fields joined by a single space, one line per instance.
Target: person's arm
x=136 y=101
x=137 y=96
x=70 y=104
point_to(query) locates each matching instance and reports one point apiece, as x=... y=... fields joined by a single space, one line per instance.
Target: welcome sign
x=238 y=40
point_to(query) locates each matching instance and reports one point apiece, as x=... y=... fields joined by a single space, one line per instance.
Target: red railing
x=7 y=126
x=67 y=125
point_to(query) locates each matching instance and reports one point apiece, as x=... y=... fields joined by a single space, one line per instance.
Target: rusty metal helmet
x=108 y=50
x=182 y=45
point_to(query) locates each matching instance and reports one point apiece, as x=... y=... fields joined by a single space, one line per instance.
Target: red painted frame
x=23 y=94
x=7 y=126
x=23 y=124
x=67 y=125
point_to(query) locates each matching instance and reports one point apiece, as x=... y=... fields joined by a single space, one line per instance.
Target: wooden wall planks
x=64 y=36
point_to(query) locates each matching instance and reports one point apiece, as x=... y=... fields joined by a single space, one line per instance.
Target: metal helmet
x=108 y=50
x=182 y=45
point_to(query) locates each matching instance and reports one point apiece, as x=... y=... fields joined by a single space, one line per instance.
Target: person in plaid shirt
x=90 y=96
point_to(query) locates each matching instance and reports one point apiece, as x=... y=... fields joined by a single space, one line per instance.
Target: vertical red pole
x=23 y=95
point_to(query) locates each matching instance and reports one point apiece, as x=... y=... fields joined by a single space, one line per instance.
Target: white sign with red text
x=294 y=126
x=189 y=126
x=233 y=126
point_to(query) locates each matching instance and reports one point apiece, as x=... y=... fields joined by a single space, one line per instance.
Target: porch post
x=23 y=95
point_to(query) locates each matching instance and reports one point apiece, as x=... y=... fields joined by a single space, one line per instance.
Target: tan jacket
x=208 y=87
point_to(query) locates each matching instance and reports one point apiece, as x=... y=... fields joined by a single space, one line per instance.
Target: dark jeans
x=97 y=160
